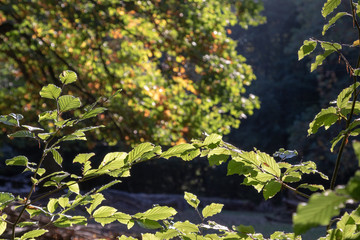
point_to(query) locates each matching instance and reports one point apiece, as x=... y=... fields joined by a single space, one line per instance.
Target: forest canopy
x=174 y=62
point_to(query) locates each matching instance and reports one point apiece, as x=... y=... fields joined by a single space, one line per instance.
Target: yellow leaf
x=356 y=43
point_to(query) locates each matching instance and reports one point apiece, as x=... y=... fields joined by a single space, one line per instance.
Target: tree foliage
x=173 y=60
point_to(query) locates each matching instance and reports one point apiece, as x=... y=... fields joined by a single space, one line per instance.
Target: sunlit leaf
x=212 y=209
x=68 y=102
x=329 y=7
x=191 y=199
x=17 y=161
x=177 y=150
x=33 y=234
x=332 y=21
x=157 y=213
x=50 y=91
x=326 y=118
x=67 y=77
x=307 y=48
x=318 y=211
x=138 y=151
x=57 y=157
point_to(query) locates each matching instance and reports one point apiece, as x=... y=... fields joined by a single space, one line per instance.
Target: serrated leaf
x=212 y=209
x=68 y=102
x=149 y=224
x=307 y=48
x=33 y=234
x=332 y=21
x=149 y=236
x=74 y=187
x=104 y=215
x=3 y=223
x=49 y=115
x=318 y=211
x=329 y=7
x=108 y=185
x=191 y=199
x=68 y=221
x=326 y=118
x=292 y=177
x=177 y=150
x=356 y=146
x=345 y=95
x=52 y=205
x=8 y=120
x=271 y=189
x=157 y=213
x=218 y=155
x=312 y=187
x=186 y=227
x=93 y=113
x=5 y=199
x=97 y=200
x=269 y=164
x=353 y=186
x=212 y=139
x=57 y=157
x=122 y=217
x=17 y=161
x=168 y=234
x=67 y=77
x=320 y=59
x=190 y=154
x=329 y=46
x=138 y=151
x=22 y=134
x=50 y=91
x=83 y=157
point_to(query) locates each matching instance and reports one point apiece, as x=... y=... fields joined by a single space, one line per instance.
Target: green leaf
x=186 y=227
x=326 y=118
x=212 y=209
x=332 y=21
x=148 y=224
x=157 y=213
x=353 y=186
x=123 y=218
x=97 y=199
x=68 y=102
x=190 y=154
x=191 y=199
x=269 y=164
x=8 y=120
x=26 y=224
x=356 y=146
x=83 y=157
x=93 y=113
x=245 y=229
x=104 y=215
x=123 y=237
x=5 y=199
x=22 y=134
x=57 y=157
x=348 y=227
x=64 y=202
x=50 y=91
x=168 y=234
x=320 y=59
x=33 y=234
x=292 y=177
x=177 y=150
x=73 y=186
x=149 y=236
x=312 y=187
x=329 y=7
x=138 y=151
x=49 y=115
x=318 y=211
x=68 y=221
x=330 y=46
x=108 y=185
x=307 y=48
x=212 y=139
x=17 y=161
x=345 y=95
x=3 y=223
x=218 y=155
x=271 y=189
x=67 y=77
x=52 y=205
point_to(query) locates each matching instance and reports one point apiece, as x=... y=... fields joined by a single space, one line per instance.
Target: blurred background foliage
x=181 y=67
x=178 y=70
